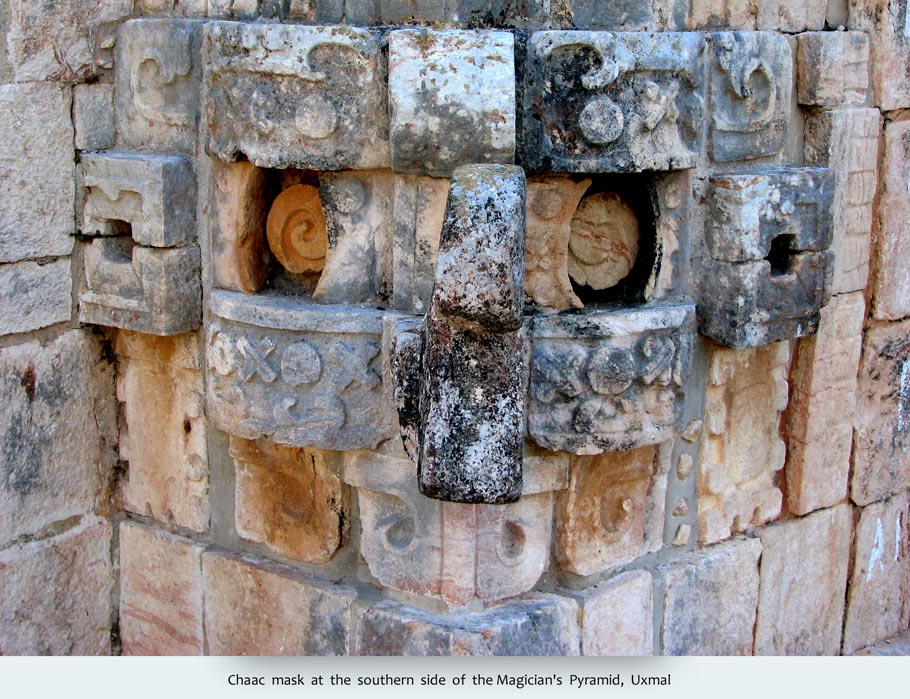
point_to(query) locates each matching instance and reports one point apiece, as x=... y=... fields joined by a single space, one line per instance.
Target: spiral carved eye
x=296 y=229
x=604 y=241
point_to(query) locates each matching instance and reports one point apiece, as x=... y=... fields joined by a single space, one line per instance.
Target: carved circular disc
x=316 y=117
x=296 y=229
x=601 y=121
x=300 y=364
x=611 y=371
x=350 y=195
x=547 y=203
x=603 y=244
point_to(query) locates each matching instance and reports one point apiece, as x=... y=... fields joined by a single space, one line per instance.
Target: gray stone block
x=34 y=296
x=296 y=96
x=155 y=194
x=612 y=102
x=93 y=116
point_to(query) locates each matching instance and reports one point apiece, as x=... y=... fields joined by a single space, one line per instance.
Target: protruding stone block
x=148 y=290
x=288 y=499
x=751 y=82
x=452 y=99
x=613 y=510
x=823 y=399
x=612 y=102
x=34 y=296
x=609 y=380
x=888 y=26
x=263 y=609
x=711 y=598
x=160 y=593
x=741 y=448
x=881 y=421
x=93 y=116
x=157 y=84
x=163 y=440
x=534 y=626
x=154 y=194
x=296 y=96
x=617 y=616
x=299 y=374
x=832 y=68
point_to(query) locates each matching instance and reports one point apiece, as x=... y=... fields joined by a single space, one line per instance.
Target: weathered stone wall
x=252 y=315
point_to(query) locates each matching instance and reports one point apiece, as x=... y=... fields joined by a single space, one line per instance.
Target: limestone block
x=288 y=499
x=625 y=15
x=419 y=212
x=36 y=172
x=823 y=398
x=266 y=610
x=790 y=15
x=450 y=550
x=846 y=142
x=881 y=424
x=534 y=626
x=803 y=580
x=617 y=616
x=300 y=374
x=359 y=256
x=57 y=593
x=604 y=102
x=178 y=8
x=609 y=380
x=34 y=296
x=741 y=448
x=717 y=14
x=154 y=194
x=751 y=81
x=93 y=116
x=234 y=9
x=240 y=254
x=163 y=440
x=878 y=603
x=295 y=96
x=888 y=24
x=711 y=598
x=60 y=40
x=160 y=593
x=405 y=11
x=613 y=510
x=156 y=84
x=832 y=68
x=58 y=434
x=891 y=287
x=897 y=645
x=148 y=290
x=451 y=98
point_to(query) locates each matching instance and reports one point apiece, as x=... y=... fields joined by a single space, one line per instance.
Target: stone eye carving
x=603 y=244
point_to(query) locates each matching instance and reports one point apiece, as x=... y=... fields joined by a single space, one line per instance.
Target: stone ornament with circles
x=296 y=229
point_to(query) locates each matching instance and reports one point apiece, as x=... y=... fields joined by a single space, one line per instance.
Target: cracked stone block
x=803 y=581
x=612 y=102
x=891 y=284
x=61 y=40
x=299 y=374
x=156 y=84
x=768 y=269
x=263 y=609
x=624 y=15
x=296 y=96
x=878 y=603
x=717 y=14
x=154 y=194
x=359 y=256
x=881 y=423
x=180 y=8
x=57 y=593
x=451 y=99
x=160 y=593
x=741 y=448
x=609 y=380
x=537 y=625
x=149 y=290
x=93 y=116
x=613 y=510
x=240 y=252
x=846 y=142
x=34 y=296
x=751 y=82
x=888 y=24
x=58 y=435
x=37 y=172
x=453 y=551
x=617 y=617
x=163 y=440
x=832 y=69
x=234 y=9
x=288 y=499
x=823 y=399
x=767 y=15
x=711 y=600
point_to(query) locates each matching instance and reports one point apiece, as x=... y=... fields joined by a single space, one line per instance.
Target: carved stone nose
x=461 y=376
